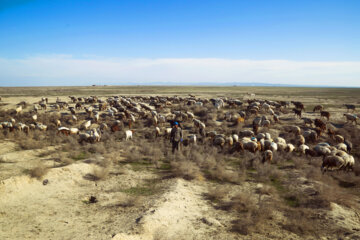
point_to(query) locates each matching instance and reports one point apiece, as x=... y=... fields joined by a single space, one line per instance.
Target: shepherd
x=176 y=137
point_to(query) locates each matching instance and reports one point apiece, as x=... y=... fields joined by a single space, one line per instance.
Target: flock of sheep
x=221 y=122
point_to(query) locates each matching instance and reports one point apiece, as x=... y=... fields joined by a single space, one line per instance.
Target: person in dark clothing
x=176 y=137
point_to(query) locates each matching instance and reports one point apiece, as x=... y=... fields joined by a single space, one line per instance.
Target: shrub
x=37 y=172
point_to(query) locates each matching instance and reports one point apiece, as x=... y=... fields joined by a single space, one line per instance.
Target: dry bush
x=31 y=143
x=302 y=222
x=62 y=159
x=200 y=112
x=223 y=175
x=98 y=148
x=185 y=169
x=132 y=153
x=266 y=172
x=38 y=172
x=253 y=220
x=217 y=194
x=300 y=162
x=97 y=174
x=241 y=202
x=250 y=213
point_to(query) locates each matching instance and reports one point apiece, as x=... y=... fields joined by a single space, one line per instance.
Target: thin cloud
x=67 y=70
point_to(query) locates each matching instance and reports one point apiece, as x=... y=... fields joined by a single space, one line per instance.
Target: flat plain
x=55 y=186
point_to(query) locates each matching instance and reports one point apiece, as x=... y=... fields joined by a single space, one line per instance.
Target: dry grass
x=129 y=201
x=37 y=172
x=97 y=174
x=217 y=194
x=185 y=169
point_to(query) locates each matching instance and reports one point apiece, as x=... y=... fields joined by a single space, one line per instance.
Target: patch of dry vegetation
x=37 y=172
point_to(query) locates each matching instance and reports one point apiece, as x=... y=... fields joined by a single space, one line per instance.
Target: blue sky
x=169 y=37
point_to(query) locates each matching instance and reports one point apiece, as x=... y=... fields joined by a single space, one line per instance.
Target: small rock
x=92 y=199
x=211 y=222
x=45 y=182
x=138 y=219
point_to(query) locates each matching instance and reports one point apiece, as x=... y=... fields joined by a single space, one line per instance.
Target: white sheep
x=128 y=134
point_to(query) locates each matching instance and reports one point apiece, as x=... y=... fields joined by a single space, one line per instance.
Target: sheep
x=246 y=133
x=268 y=156
x=74 y=118
x=229 y=140
x=338 y=138
x=57 y=123
x=299 y=140
x=350 y=107
x=18 y=109
x=43 y=106
x=276 y=118
x=103 y=127
x=63 y=130
x=84 y=137
x=260 y=136
x=235 y=137
x=308 y=121
x=128 y=134
x=350 y=163
x=266 y=123
x=295 y=130
x=348 y=145
x=302 y=148
x=280 y=140
x=268 y=136
x=257 y=121
x=325 y=114
x=191 y=139
x=297 y=112
x=251 y=146
x=95 y=135
x=310 y=136
x=351 y=118
x=318 y=108
x=34 y=117
x=322 y=150
x=237 y=147
x=86 y=125
x=157 y=132
x=96 y=117
x=342 y=146
x=219 y=141
x=320 y=124
x=311 y=152
x=333 y=163
x=266 y=107
x=74 y=131
x=289 y=148
x=281 y=146
x=298 y=105
x=41 y=127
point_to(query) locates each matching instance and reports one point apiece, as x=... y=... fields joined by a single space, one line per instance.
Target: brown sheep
x=268 y=156
x=299 y=105
x=325 y=114
x=297 y=112
x=333 y=163
x=318 y=108
x=320 y=124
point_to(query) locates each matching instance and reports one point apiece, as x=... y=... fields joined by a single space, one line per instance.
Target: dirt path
x=181 y=213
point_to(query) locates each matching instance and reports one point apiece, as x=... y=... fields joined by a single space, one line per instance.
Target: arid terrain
x=101 y=183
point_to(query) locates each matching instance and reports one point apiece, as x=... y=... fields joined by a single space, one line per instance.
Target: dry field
x=54 y=187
